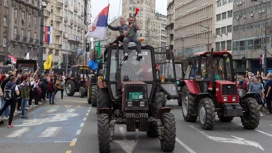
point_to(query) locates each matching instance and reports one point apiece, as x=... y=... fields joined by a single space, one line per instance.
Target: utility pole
x=41 y=38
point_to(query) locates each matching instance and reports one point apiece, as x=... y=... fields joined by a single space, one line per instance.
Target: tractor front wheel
x=206 y=113
x=188 y=105
x=251 y=115
x=70 y=88
x=103 y=99
x=169 y=133
x=94 y=95
x=82 y=92
x=103 y=133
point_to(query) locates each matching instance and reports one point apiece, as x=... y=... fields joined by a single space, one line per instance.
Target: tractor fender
x=249 y=94
x=202 y=95
x=162 y=111
x=104 y=111
x=192 y=87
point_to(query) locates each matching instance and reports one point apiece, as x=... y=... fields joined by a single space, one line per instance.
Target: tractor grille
x=229 y=89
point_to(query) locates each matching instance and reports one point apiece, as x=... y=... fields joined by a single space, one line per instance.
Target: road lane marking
x=87 y=114
x=89 y=110
x=70 y=110
x=267 y=134
x=234 y=139
x=73 y=143
x=50 y=132
x=62 y=141
x=127 y=145
x=19 y=132
x=51 y=110
x=185 y=146
x=78 y=132
x=85 y=118
x=78 y=106
x=69 y=151
x=82 y=124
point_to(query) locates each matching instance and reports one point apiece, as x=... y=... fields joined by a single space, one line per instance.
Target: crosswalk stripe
x=78 y=132
x=50 y=132
x=85 y=118
x=70 y=110
x=82 y=124
x=51 y=110
x=73 y=143
x=19 y=132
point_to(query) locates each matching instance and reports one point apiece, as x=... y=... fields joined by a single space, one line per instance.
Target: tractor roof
x=218 y=53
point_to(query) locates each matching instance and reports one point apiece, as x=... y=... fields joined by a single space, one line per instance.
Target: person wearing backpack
x=5 y=115
x=51 y=89
x=10 y=94
x=25 y=93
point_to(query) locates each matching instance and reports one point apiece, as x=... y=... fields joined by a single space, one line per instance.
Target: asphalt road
x=71 y=127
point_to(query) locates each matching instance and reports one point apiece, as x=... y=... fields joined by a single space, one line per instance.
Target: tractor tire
x=206 y=113
x=188 y=105
x=103 y=99
x=70 y=87
x=82 y=92
x=104 y=139
x=94 y=96
x=169 y=133
x=157 y=104
x=152 y=130
x=251 y=115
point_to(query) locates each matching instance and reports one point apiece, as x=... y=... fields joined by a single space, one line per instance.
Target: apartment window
x=225 y=2
x=15 y=31
x=23 y=15
x=218 y=17
x=235 y=46
x=229 y=29
x=242 y=45
x=218 y=3
x=217 y=46
x=29 y=17
x=223 y=45
x=230 y=1
x=230 y=14
x=242 y=27
x=249 y=44
x=22 y=32
x=5 y=3
x=28 y=34
x=224 y=15
x=257 y=43
x=5 y=21
x=229 y=45
x=35 y=20
x=223 y=30
x=15 y=13
x=35 y=36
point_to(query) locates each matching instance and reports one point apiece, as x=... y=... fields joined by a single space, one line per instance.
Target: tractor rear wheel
x=206 y=113
x=103 y=99
x=251 y=115
x=188 y=105
x=157 y=104
x=82 y=92
x=94 y=95
x=103 y=133
x=169 y=133
x=70 y=88
x=152 y=130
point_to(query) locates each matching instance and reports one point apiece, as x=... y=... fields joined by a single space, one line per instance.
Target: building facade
x=194 y=26
x=251 y=20
x=19 y=28
x=170 y=22
x=223 y=24
x=152 y=24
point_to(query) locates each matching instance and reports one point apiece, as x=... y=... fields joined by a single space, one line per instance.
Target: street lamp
x=208 y=28
x=41 y=39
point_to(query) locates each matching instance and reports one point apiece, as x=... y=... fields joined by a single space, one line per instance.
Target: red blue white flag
x=12 y=59
x=48 y=34
x=99 y=27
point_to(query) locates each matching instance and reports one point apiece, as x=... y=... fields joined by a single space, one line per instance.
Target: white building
x=223 y=24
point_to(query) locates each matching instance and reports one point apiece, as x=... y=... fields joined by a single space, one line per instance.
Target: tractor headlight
x=233 y=99
x=129 y=103
x=142 y=104
x=225 y=99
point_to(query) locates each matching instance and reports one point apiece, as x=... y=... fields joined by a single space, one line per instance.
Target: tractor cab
x=167 y=73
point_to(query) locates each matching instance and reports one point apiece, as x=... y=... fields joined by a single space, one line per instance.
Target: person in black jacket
x=120 y=29
x=3 y=84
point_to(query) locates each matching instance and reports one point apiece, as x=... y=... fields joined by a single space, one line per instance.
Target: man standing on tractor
x=130 y=33
x=120 y=29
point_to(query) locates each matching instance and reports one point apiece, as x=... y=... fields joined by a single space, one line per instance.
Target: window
x=242 y=27
x=249 y=44
x=35 y=36
x=242 y=45
x=231 y=1
x=35 y=20
x=23 y=15
x=5 y=2
x=15 y=13
x=235 y=46
x=4 y=42
x=218 y=3
x=229 y=29
x=218 y=31
x=5 y=21
x=229 y=45
x=217 y=46
x=257 y=43
x=223 y=45
x=22 y=32
x=230 y=14
x=225 y=2
x=15 y=31
x=218 y=17
x=236 y=29
x=28 y=34
x=29 y=17
x=224 y=15
x=223 y=30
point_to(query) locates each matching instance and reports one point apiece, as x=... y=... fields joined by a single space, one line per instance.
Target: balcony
x=24 y=39
x=46 y=13
x=75 y=9
x=59 y=5
x=65 y=19
x=58 y=33
x=58 y=18
x=29 y=40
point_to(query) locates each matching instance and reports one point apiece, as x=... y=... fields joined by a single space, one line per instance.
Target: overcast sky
x=98 y=5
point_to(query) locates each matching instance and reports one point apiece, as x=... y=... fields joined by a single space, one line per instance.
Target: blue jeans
x=6 y=112
x=23 y=106
x=51 y=98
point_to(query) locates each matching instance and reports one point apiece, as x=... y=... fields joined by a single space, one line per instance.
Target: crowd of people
x=21 y=91
x=259 y=84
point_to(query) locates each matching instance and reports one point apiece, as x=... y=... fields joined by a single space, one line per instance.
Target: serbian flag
x=12 y=59
x=48 y=34
x=99 y=27
x=262 y=59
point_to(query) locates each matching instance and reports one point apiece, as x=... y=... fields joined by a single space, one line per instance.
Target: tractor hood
x=224 y=82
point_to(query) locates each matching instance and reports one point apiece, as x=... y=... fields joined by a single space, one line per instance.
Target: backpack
x=9 y=93
x=50 y=87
